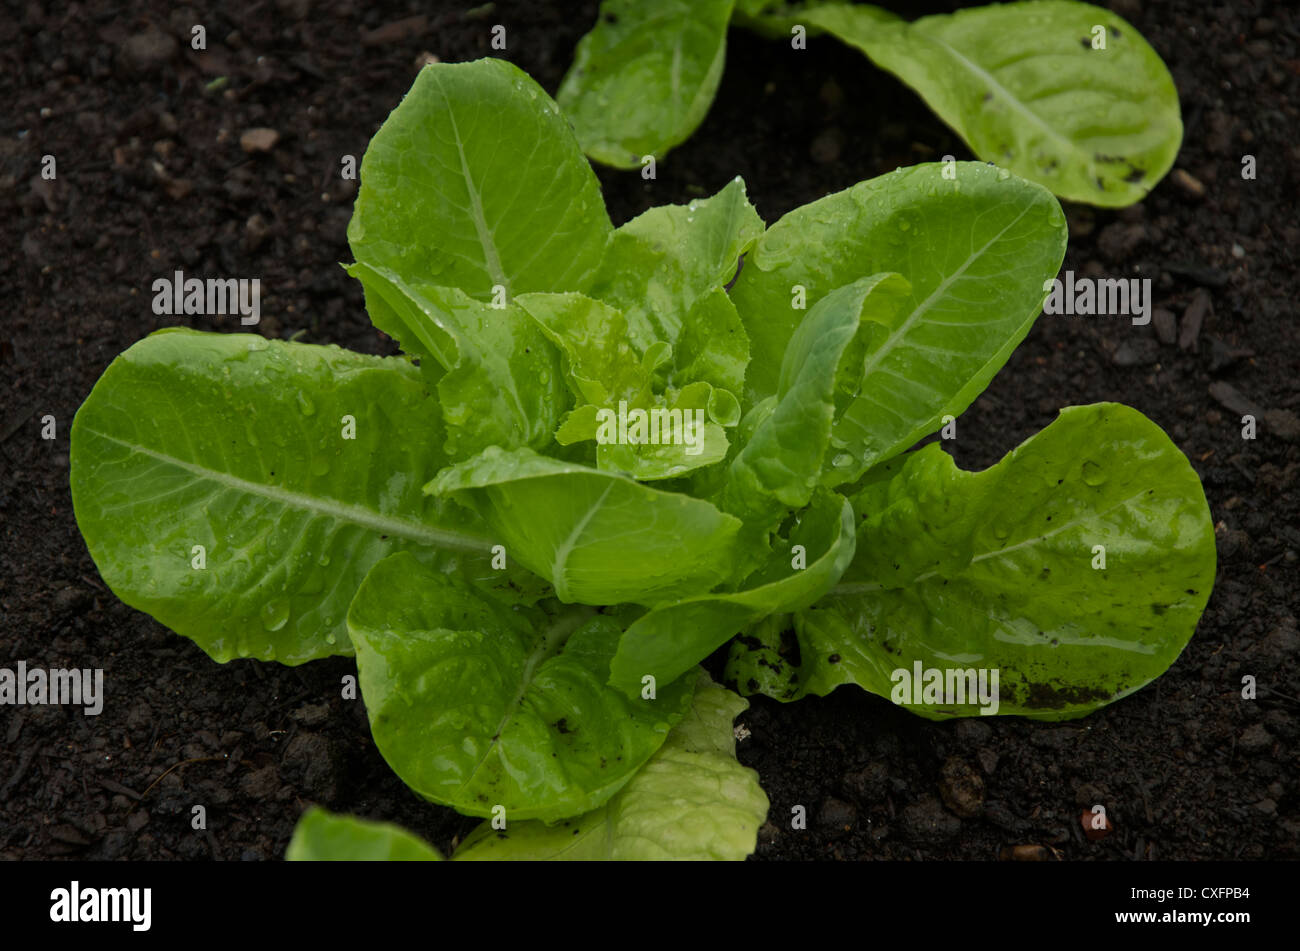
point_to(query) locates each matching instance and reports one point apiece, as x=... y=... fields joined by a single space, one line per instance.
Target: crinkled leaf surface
x=976 y=250
x=322 y=836
x=781 y=463
x=237 y=444
x=665 y=270
x=598 y=537
x=671 y=639
x=476 y=180
x=643 y=78
x=995 y=570
x=501 y=383
x=475 y=705
x=691 y=800
x=1024 y=86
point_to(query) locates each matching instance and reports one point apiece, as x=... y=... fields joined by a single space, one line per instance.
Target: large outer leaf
x=779 y=466
x=475 y=705
x=671 y=639
x=598 y=537
x=1021 y=83
x=691 y=800
x=476 y=180
x=643 y=78
x=976 y=250
x=993 y=570
x=498 y=377
x=322 y=836
x=234 y=442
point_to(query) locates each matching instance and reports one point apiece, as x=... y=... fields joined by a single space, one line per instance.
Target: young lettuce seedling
x=528 y=567
x=1062 y=93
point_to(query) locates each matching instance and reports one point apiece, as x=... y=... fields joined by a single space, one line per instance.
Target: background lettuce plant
x=1063 y=93
x=527 y=605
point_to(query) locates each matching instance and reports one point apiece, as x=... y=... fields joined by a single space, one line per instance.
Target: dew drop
x=1003 y=174
x=275 y=614
x=1093 y=474
x=258 y=344
x=305 y=404
x=320 y=467
x=842 y=461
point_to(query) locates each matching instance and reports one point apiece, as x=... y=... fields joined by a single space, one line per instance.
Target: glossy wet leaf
x=643 y=78
x=975 y=249
x=245 y=447
x=322 y=836
x=781 y=462
x=498 y=378
x=671 y=639
x=999 y=570
x=691 y=800
x=476 y=705
x=598 y=537
x=476 y=181
x=1027 y=86
x=665 y=270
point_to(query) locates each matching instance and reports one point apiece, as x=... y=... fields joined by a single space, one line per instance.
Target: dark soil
x=151 y=177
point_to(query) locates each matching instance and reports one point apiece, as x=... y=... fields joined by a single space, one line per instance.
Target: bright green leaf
x=1003 y=570
x=778 y=468
x=691 y=800
x=503 y=385
x=976 y=250
x=1066 y=94
x=476 y=706
x=665 y=269
x=598 y=537
x=671 y=639
x=238 y=489
x=476 y=181
x=643 y=78
x=322 y=836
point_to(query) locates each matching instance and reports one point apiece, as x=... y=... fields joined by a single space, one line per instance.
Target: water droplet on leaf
x=275 y=614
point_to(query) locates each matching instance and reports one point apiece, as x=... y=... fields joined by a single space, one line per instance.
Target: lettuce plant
x=1063 y=93
x=528 y=588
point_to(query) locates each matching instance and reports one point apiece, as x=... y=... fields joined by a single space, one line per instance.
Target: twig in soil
x=186 y=762
x=114 y=786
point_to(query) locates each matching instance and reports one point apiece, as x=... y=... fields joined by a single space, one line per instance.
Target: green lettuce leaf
x=976 y=250
x=669 y=640
x=781 y=464
x=476 y=181
x=691 y=800
x=498 y=377
x=322 y=836
x=598 y=537
x=478 y=706
x=239 y=445
x=643 y=78
x=665 y=270
x=1023 y=85
x=999 y=570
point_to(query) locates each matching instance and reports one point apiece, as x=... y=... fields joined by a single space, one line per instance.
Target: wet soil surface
x=151 y=177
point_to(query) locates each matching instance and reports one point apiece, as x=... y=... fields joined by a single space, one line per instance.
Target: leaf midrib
x=341 y=511
x=491 y=257
x=898 y=338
